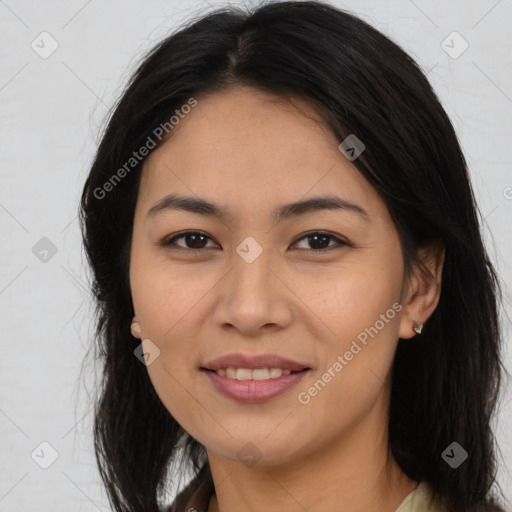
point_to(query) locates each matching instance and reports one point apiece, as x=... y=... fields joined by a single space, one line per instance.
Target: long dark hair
x=446 y=382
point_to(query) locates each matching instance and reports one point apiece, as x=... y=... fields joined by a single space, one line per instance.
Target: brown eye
x=319 y=241
x=192 y=240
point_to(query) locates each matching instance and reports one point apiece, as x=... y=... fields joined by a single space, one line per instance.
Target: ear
x=135 y=328
x=422 y=289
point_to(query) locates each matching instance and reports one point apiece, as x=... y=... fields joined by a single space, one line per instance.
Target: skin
x=251 y=152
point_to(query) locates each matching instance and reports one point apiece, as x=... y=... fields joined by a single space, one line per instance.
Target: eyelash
x=169 y=242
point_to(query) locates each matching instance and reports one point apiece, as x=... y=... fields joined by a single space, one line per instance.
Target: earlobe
x=135 y=328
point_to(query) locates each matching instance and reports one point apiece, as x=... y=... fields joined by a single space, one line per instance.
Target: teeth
x=243 y=374
x=277 y=372
x=256 y=374
x=260 y=374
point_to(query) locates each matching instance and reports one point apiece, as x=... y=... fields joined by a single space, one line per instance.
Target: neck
x=356 y=469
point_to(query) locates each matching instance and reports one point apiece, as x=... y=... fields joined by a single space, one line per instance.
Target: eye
x=322 y=239
x=196 y=241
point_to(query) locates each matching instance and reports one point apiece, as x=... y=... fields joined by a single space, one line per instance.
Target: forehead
x=244 y=123
x=253 y=147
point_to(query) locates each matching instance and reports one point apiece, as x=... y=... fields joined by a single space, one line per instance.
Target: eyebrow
x=203 y=207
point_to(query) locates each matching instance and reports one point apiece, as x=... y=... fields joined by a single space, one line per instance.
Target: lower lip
x=254 y=390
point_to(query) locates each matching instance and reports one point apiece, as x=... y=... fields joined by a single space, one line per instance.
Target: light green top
x=419 y=500
x=197 y=498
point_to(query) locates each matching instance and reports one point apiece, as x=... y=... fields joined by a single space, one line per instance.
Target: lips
x=251 y=391
x=253 y=362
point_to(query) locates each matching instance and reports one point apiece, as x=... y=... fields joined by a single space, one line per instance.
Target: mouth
x=253 y=377
x=254 y=374
x=253 y=385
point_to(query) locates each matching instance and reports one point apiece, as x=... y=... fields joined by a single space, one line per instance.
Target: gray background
x=51 y=111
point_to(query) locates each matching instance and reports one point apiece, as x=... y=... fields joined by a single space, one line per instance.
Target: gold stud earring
x=417 y=327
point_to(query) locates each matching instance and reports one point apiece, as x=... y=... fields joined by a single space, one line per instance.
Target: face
x=318 y=285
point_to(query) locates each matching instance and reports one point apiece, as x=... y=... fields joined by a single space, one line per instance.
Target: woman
x=291 y=283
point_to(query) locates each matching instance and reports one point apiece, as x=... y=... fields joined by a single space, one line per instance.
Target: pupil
x=323 y=238
x=195 y=245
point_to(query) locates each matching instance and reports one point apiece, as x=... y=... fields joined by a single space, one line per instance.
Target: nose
x=253 y=298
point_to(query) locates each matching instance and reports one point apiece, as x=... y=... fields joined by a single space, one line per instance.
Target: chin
x=255 y=450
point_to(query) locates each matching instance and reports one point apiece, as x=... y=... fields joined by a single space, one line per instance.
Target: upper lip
x=253 y=362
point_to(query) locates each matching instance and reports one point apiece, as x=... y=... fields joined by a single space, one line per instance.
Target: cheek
x=175 y=388
x=348 y=298
x=165 y=296
x=165 y=303
x=353 y=375
x=359 y=314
